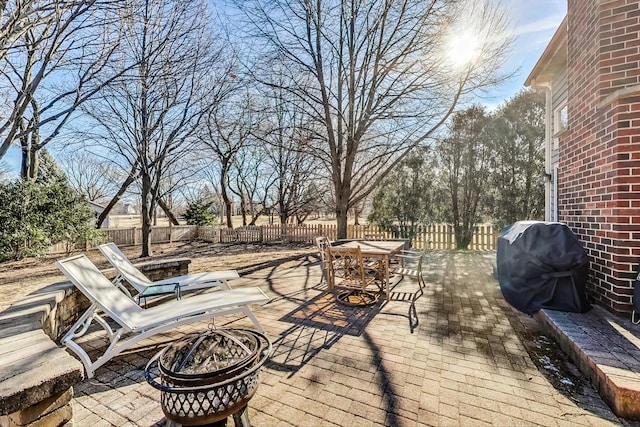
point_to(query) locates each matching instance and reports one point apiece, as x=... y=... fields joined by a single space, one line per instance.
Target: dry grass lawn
x=20 y=278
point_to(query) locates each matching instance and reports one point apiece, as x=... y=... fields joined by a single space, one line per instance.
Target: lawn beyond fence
x=435 y=236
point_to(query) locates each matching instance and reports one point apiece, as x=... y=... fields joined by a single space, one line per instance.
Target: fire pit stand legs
x=240 y=419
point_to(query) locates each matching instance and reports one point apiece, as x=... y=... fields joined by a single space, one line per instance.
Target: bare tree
x=19 y=16
x=58 y=62
x=251 y=181
x=358 y=209
x=227 y=130
x=286 y=132
x=90 y=176
x=376 y=75
x=130 y=177
x=149 y=120
x=204 y=188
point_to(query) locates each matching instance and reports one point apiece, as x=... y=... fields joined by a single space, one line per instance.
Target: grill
x=204 y=378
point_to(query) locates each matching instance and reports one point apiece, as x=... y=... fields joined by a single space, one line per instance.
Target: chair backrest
x=417 y=255
x=122 y=264
x=345 y=263
x=420 y=261
x=100 y=291
x=323 y=243
x=375 y=236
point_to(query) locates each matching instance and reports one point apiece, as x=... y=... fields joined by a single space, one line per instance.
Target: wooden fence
x=435 y=236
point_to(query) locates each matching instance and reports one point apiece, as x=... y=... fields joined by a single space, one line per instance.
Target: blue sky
x=533 y=23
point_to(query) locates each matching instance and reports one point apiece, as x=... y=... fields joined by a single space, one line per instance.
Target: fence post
x=483 y=238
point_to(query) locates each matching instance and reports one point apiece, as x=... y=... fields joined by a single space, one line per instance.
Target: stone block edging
x=607 y=355
x=36 y=374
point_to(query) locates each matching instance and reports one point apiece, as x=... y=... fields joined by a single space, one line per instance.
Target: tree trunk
x=341 y=218
x=227 y=207
x=146 y=216
x=168 y=212
x=24 y=162
x=282 y=210
x=29 y=161
x=225 y=196
x=243 y=211
x=103 y=215
x=33 y=158
x=464 y=235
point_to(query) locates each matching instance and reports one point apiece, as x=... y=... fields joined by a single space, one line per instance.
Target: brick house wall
x=599 y=155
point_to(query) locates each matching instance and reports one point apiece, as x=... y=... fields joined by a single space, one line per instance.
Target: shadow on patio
x=466 y=362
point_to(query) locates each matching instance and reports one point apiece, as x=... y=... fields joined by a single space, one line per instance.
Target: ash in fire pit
x=206 y=377
x=218 y=355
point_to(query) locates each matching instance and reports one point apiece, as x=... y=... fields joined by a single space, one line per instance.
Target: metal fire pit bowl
x=211 y=357
x=206 y=377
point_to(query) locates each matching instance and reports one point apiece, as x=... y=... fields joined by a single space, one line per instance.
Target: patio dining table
x=381 y=249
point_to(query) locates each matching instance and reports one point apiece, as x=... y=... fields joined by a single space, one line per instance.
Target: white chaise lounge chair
x=128 y=272
x=109 y=301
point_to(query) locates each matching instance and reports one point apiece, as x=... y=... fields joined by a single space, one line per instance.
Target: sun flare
x=463 y=48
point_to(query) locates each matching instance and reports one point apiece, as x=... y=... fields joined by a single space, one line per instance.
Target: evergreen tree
x=48 y=170
x=21 y=233
x=37 y=214
x=464 y=155
x=199 y=213
x=404 y=198
x=517 y=163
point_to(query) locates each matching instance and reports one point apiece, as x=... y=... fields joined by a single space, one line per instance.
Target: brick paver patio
x=464 y=363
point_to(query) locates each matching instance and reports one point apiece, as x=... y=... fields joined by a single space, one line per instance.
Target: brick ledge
x=606 y=349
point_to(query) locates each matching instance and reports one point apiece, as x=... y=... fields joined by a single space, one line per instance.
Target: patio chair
x=147 y=288
x=142 y=323
x=322 y=244
x=411 y=263
x=347 y=270
x=375 y=236
x=377 y=263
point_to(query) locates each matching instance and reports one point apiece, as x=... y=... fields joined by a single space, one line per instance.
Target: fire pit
x=357 y=298
x=206 y=377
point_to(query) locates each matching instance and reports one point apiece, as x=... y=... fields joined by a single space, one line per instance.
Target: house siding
x=599 y=156
x=559 y=97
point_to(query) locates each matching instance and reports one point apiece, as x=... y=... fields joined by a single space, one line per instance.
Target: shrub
x=36 y=215
x=199 y=213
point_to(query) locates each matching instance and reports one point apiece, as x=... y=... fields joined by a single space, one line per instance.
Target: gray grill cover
x=542 y=265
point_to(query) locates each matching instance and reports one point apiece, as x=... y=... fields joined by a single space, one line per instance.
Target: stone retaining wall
x=36 y=375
